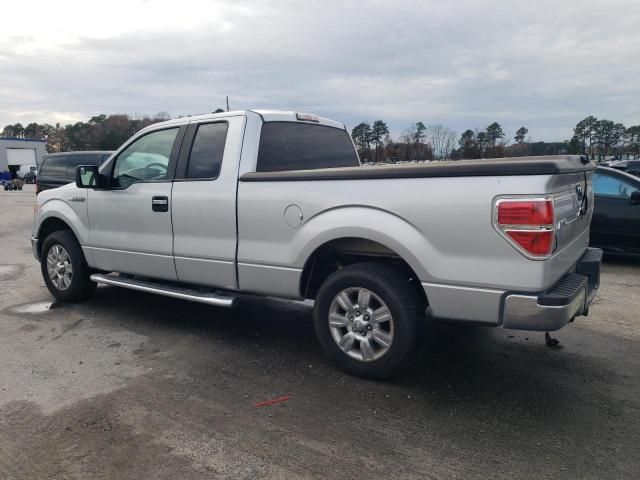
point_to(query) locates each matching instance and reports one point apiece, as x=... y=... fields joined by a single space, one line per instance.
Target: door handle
x=160 y=204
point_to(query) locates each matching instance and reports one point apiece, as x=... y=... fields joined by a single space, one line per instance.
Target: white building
x=20 y=151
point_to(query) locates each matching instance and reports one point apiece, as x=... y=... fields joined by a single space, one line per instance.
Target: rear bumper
x=554 y=308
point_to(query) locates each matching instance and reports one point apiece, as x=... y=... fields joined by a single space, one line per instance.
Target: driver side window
x=145 y=160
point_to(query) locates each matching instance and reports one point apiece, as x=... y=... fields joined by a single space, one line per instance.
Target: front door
x=130 y=221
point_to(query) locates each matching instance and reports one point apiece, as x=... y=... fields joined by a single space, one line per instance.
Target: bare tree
x=449 y=144
x=442 y=140
x=407 y=137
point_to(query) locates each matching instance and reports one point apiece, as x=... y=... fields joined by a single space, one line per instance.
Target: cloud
x=465 y=64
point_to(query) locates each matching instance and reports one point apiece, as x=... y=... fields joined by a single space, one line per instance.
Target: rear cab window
x=301 y=146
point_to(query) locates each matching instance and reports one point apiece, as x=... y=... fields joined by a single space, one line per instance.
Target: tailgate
x=573 y=206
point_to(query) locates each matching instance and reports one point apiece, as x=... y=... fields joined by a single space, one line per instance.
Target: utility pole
x=227 y=103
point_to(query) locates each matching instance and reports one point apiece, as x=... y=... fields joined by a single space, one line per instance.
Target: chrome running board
x=210 y=298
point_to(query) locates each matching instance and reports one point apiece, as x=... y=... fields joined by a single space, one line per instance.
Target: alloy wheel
x=361 y=324
x=59 y=267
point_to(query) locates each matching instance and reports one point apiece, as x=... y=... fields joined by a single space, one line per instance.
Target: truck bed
x=437 y=216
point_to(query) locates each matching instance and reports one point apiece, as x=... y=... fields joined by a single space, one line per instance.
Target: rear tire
x=365 y=318
x=64 y=268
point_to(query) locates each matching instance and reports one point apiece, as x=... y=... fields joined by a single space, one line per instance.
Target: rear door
x=130 y=221
x=203 y=205
x=616 y=223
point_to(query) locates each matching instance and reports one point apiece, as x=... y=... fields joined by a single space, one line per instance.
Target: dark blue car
x=616 y=218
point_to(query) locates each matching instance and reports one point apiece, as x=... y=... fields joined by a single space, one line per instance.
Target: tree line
x=599 y=138
x=433 y=142
x=101 y=132
x=418 y=142
x=596 y=138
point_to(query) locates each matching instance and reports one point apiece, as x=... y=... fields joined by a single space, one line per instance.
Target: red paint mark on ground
x=275 y=401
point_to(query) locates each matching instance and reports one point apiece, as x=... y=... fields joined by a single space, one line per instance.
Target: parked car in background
x=30 y=177
x=616 y=217
x=58 y=169
x=632 y=167
x=606 y=163
x=25 y=170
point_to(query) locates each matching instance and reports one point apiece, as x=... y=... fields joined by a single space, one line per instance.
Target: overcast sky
x=542 y=64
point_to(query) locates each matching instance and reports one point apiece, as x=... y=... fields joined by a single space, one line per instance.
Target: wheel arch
x=340 y=252
x=55 y=216
x=359 y=233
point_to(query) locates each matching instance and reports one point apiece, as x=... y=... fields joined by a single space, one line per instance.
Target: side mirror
x=634 y=199
x=87 y=176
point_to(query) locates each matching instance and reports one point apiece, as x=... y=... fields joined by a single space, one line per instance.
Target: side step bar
x=210 y=298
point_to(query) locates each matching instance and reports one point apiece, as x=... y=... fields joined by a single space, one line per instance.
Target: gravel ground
x=136 y=386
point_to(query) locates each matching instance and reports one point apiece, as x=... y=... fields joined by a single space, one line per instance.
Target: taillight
x=525 y=212
x=528 y=224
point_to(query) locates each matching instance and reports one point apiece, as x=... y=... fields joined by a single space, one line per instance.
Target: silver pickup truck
x=276 y=203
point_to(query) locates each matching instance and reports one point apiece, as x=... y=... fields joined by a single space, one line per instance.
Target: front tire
x=64 y=268
x=365 y=318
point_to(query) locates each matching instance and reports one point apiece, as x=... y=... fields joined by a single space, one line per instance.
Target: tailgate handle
x=160 y=204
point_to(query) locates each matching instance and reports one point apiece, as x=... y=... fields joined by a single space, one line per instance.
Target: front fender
x=59 y=209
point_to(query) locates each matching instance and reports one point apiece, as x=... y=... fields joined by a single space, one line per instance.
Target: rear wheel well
x=50 y=225
x=336 y=254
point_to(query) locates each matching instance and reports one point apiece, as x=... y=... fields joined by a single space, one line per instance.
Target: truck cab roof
x=265 y=116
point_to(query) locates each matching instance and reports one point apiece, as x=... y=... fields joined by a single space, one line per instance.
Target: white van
x=24 y=169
